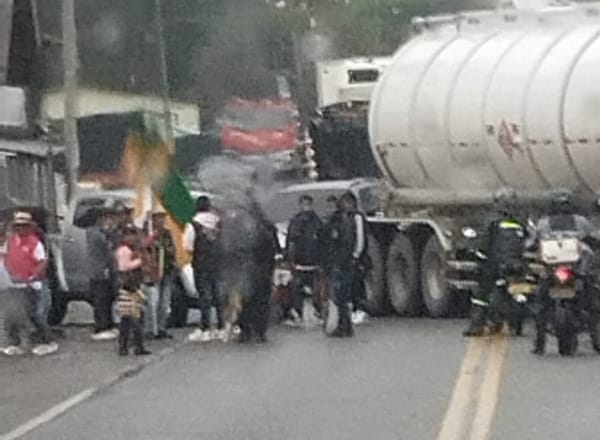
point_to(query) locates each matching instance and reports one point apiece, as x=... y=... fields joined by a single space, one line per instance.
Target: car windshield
x=84 y=216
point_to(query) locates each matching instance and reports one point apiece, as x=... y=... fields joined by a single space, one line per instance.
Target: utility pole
x=164 y=68
x=70 y=66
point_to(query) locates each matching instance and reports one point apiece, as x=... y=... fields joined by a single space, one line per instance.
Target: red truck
x=267 y=127
x=260 y=126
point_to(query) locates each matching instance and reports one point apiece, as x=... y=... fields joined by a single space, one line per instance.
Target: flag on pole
x=149 y=167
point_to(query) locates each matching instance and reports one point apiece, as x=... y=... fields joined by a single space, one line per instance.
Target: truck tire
x=434 y=286
x=374 y=281
x=402 y=275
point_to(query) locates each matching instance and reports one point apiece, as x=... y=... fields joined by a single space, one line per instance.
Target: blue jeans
x=44 y=302
x=158 y=308
x=207 y=286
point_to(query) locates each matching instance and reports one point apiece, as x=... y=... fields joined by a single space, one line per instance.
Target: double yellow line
x=473 y=404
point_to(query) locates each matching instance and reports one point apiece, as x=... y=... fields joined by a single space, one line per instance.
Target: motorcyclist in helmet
x=504 y=248
x=562 y=216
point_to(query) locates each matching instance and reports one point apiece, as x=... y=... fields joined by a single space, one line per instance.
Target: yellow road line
x=476 y=392
x=490 y=389
x=453 y=425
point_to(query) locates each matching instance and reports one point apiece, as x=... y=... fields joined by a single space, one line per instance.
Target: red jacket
x=21 y=263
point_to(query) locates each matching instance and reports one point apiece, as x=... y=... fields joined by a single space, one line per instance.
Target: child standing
x=130 y=299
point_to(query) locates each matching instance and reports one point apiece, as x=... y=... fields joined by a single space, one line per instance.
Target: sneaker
x=206 y=336
x=290 y=323
x=13 y=350
x=195 y=335
x=107 y=335
x=359 y=317
x=217 y=335
x=45 y=349
x=200 y=336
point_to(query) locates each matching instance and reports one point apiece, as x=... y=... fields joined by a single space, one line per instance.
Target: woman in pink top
x=130 y=299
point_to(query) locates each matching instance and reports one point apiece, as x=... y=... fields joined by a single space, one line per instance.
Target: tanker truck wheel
x=402 y=275
x=434 y=286
x=374 y=282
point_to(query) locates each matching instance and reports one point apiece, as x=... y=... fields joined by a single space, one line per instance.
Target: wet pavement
x=398 y=379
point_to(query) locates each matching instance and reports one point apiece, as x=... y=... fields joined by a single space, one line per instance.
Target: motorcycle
x=564 y=283
x=515 y=289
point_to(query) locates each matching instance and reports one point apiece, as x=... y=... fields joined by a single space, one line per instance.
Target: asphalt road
x=398 y=379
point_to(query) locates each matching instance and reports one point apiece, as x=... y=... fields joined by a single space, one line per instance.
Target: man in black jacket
x=345 y=246
x=101 y=273
x=201 y=240
x=302 y=248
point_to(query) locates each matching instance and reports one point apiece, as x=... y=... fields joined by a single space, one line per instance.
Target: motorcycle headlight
x=469 y=233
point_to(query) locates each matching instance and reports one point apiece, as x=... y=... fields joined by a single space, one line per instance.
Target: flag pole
x=164 y=81
x=164 y=68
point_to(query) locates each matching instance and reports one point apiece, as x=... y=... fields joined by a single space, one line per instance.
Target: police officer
x=562 y=216
x=506 y=238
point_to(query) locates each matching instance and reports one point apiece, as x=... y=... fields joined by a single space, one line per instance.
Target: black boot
x=477 y=326
x=141 y=351
x=539 y=346
x=595 y=337
x=594 y=320
x=124 y=337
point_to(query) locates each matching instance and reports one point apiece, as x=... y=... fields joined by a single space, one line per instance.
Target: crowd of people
x=130 y=274
x=334 y=247
x=132 y=271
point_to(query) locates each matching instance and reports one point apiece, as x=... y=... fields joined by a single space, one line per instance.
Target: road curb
x=66 y=405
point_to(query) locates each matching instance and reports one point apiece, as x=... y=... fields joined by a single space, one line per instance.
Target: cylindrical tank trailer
x=474 y=104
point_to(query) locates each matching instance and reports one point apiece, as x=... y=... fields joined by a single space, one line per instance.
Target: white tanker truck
x=477 y=104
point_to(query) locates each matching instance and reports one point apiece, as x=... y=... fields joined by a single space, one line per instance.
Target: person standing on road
x=130 y=299
x=26 y=264
x=161 y=250
x=302 y=250
x=45 y=298
x=362 y=263
x=102 y=278
x=201 y=240
x=345 y=241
